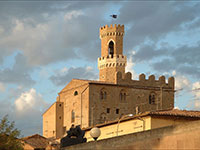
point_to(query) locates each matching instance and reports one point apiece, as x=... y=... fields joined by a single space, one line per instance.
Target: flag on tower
x=114 y=16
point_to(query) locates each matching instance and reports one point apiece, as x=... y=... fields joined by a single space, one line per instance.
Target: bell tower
x=112 y=59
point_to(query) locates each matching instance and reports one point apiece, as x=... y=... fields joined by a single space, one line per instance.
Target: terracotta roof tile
x=189 y=114
x=177 y=112
x=36 y=141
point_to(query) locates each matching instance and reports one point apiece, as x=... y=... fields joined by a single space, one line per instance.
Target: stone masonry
x=87 y=102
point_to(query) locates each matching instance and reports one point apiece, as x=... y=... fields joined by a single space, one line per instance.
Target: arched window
x=122 y=96
x=152 y=98
x=103 y=94
x=111 y=48
x=75 y=93
x=73 y=117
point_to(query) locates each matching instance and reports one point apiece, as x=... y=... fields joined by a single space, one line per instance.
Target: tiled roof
x=187 y=114
x=36 y=141
x=177 y=112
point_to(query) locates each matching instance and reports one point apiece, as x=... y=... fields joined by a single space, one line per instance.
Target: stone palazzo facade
x=88 y=102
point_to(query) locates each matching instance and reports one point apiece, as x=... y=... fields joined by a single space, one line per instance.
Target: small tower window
x=117 y=111
x=75 y=93
x=111 y=48
x=108 y=110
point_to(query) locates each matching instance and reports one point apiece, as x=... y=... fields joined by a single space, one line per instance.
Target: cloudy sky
x=43 y=45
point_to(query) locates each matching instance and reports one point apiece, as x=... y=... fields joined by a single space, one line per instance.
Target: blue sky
x=45 y=44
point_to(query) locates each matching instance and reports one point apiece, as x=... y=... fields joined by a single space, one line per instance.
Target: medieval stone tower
x=88 y=102
x=112 y=59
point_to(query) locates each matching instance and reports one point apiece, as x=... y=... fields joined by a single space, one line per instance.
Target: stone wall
x=184 y=136
x=75 y=98
x=136 y=99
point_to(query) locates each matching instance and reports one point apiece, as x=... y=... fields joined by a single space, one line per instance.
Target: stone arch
x=103 y=94
x=75 y=93
x=123 y=95
x=111 y=48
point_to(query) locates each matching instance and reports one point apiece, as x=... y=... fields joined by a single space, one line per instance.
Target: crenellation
x=171 y=82
x=142 y=77
x=151 y=81
x=116 y=30
x=162 y=80
x=128 y=76
x=151 y=78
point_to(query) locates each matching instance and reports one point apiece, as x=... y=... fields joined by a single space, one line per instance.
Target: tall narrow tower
x=112 y=59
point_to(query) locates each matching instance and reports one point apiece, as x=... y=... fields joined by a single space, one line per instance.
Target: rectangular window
x=117 y=111
x=73 y=117
x=108 y=110
x=64 y=129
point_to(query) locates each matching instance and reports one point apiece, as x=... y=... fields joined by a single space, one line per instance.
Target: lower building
x=143 y=122
x=182 y=131
x=38 y=142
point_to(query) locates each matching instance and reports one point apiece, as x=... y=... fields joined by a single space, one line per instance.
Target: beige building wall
x=59 y=119
x=53 y=121
x=158 y=122
x=137 y=124
x=49 y=121
x=125 y=127
x=183 y=136
x=75 y=97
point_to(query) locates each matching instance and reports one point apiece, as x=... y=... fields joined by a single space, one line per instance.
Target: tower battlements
x=151 y=81
x=112 y=61
x=116 y=30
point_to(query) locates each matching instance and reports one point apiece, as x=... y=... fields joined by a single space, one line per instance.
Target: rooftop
x=187 y=114
x=36 y=141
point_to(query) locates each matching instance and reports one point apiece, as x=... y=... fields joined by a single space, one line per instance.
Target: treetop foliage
x=9 y=135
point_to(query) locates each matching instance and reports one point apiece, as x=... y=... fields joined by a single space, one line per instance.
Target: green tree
x=9 y=135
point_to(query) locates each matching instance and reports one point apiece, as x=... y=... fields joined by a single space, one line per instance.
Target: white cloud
x=196 y=89
x=88 y=68
x=63 y=70
x=30 y=100
x=181 y=82
x=176 y=107
x=73 y=14
x=73 y=72
x=129 y=67
x=197 y=104
x=2 y=87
